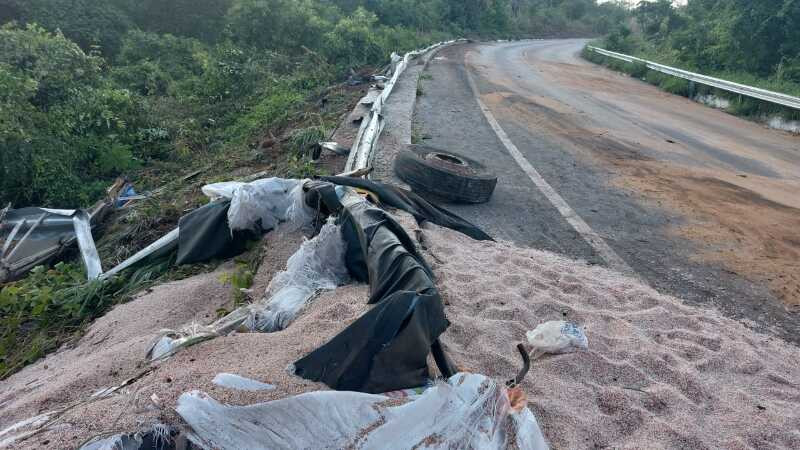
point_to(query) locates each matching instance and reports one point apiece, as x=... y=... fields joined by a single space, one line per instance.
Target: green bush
x=66 y=131
x=281 y=25
x=89 y=23
x=353 y=41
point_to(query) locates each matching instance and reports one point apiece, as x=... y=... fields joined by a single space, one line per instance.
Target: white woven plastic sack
x=469 y=411
x=556 y=337
x=272 y=201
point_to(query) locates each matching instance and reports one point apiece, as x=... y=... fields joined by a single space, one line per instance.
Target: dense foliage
x=750 y=41
x=90 y=89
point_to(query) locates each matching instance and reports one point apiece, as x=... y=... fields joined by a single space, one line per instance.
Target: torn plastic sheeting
x=469 y=411
x=319 y=264
x=385 y=349
x=221 y=228
x=410 y=202
x=23 y=429
x=392 y=261
x=240 y=383
x=263 y=203
x=205 y=235
x=157 y=437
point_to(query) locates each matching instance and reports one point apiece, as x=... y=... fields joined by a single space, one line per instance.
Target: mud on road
x=702 y=204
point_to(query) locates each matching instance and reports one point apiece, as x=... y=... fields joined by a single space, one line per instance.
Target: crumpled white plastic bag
x=272 y=201
x=469 y=411
x=557 y=336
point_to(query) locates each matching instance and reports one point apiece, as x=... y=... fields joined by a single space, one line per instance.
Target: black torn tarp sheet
x=206 y=235
x=421 y=209
x=385 y=349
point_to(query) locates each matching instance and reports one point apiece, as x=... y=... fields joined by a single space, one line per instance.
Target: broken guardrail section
x=362 y=152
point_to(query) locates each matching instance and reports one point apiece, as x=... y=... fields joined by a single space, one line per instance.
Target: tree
x=282 y=25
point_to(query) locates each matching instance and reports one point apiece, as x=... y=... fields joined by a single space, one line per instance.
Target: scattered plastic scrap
x=156 y=437
x=557 y=337
x=233 y=381
x=386 y=349
x=412 y=203
x=250 y=207
x=468 y=411
x=128 y=195
x=318 y=265
x=263 y=204
x=23 y=429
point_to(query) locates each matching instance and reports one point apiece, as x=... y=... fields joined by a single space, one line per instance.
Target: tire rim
x=449 y=159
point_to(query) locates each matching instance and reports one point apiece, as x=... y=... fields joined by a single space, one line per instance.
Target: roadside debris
x=158 y=437
x=33 y=236
x=332 y=147
x=387 y=348
x=233 y=381
x=445 y=174
x=318 y=265
x=467 y=411
x=47 y=233
x=556 y=337
x=322 y=263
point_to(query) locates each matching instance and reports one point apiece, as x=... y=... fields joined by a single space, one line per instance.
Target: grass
x=420 y=87
x=52 y=306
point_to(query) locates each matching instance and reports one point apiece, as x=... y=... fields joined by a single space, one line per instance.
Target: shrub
x=65 y=131
x=353 y=43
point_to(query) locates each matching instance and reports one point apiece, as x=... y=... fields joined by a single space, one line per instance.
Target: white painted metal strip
x=81 y=222
x=742 y=89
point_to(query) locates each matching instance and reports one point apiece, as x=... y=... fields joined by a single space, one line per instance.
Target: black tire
x=444 y=174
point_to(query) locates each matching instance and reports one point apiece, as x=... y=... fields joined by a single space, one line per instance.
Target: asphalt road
x=695 y=202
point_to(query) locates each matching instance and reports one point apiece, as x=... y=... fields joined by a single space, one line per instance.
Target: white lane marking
x=599 y=245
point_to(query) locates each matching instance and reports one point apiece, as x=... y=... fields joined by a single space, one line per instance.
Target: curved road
x=596 y=165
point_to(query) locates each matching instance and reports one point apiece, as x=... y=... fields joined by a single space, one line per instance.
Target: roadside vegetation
x=747 y=42
x=173 y=95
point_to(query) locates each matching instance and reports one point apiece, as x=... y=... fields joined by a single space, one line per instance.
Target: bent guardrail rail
x=371 y=127
x=741 y=89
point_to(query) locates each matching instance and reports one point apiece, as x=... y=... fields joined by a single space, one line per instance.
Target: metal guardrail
x=363 y=148
x=741 y=89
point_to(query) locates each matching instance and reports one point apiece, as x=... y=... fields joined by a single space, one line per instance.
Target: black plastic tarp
x=408 y=201
x=385 y=349
x=205 y=235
